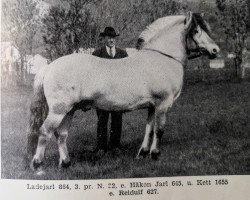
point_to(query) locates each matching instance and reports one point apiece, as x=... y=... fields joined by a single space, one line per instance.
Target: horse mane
x=198 y=20
x=161 y=23
x=152 y=29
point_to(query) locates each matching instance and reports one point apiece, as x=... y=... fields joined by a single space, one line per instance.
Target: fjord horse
x=152 y=78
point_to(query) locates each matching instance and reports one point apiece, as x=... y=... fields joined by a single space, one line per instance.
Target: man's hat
x=109 y=31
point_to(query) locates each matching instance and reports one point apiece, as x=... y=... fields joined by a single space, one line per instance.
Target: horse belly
x=122 y=102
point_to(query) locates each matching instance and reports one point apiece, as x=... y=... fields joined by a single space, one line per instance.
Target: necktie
x=111 y=52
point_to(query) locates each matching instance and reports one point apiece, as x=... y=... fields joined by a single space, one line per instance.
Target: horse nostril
x=214 y=51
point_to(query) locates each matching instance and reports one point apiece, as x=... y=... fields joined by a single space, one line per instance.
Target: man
x=109 y=51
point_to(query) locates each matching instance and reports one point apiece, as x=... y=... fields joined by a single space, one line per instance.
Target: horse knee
x=43 y=139
x=51 y=123
x=62 y=136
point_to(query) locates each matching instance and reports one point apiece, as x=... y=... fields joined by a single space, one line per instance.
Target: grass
x=207 y=133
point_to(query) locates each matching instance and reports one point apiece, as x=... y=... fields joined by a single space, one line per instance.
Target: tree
x=234 y=18
x=248 y=24
x=20 y=22
x=131 y=17
x=55 y=35
x=78 y=24
x=68 y=28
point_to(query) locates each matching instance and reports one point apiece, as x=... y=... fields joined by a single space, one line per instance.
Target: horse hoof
x=143 y=153
x=65 y=164
x=40 y=173
x=155 y=154
x=35 y=164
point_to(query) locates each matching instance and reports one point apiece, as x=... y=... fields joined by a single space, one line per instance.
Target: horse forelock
x=198 y=20
x=153 y=29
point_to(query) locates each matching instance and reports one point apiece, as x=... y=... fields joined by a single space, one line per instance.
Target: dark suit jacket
x=102 y=53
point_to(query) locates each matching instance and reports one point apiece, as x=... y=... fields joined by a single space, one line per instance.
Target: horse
x=150 y=79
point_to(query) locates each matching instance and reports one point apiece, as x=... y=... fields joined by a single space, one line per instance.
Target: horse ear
x=188 y=20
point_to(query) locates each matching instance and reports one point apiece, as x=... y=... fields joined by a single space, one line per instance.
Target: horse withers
x=151 y=79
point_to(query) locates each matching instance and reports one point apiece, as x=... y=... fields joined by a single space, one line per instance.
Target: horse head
x=161 y=35
x=198 y=36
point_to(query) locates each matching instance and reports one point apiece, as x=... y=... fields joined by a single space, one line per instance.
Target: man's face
x=109 y=41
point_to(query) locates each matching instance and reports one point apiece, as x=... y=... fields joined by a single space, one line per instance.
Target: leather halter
x=197 y=50
x=188 y=51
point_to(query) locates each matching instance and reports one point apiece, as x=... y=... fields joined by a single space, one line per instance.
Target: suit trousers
x=102 y=129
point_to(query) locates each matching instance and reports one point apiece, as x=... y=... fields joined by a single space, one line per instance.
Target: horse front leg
x=144 y=150
x=160 y=121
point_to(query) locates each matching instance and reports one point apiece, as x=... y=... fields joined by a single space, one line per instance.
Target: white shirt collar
x=112 y=49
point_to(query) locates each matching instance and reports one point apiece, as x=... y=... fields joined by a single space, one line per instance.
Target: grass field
x=207 y=133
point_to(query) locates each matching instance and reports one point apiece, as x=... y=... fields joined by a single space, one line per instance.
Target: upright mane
x=155 y=28
x=198 y=20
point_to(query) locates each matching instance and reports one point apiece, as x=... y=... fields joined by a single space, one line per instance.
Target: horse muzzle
x=210 y=53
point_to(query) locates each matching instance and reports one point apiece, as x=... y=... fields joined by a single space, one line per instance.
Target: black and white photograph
x=120 y=89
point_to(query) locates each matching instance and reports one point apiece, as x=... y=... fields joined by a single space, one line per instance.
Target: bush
x=199 y=71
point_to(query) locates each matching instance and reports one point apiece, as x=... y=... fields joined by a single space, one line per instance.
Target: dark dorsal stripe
x=139 y=44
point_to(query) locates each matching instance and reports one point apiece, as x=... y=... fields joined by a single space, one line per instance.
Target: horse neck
x=171 y=41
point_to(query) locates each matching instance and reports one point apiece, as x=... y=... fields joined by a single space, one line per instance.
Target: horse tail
x=40 y=76
x=38 y=112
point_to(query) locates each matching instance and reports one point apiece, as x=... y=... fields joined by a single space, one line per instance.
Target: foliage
x=71 y=25
x=234 y=18
x=248 y=24
x=64 y=28
x=20 y=23
x=78 y=24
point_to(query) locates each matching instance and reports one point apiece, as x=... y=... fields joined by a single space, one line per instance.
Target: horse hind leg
x=49 y=126
x=61 y=135
x=144 y=150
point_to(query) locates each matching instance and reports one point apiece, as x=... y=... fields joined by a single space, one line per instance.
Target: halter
x=188 y=51
x=196 y=50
